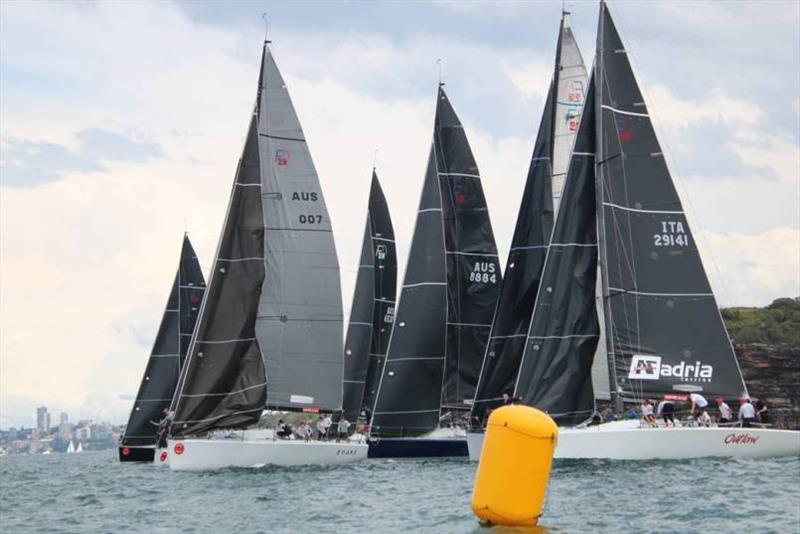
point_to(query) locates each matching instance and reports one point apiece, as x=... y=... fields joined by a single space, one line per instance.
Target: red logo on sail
x=281 y=157
x=459 y=194
x=163 y=456
x=178 y=449
x=126 y=451
x=624 y=129
x=195 y=298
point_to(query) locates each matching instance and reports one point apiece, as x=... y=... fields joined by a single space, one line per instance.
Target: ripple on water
x=94 y=492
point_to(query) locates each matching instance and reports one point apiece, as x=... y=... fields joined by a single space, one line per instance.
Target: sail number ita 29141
x=673 y=234
x=484 y=272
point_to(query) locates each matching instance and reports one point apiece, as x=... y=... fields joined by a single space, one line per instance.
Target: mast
x=602 y=256
x=663 y=321
x=169 y=350
x=449 y=292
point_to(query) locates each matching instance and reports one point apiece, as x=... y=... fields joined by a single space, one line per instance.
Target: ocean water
x=93 y=492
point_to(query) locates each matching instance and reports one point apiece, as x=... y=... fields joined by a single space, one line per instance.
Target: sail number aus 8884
x=484 y=272
x=673 y=234
x=310 y=219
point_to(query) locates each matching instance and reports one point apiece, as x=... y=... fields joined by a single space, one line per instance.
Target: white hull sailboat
x=629 y=440
x=205 y=454
x=269 y=333
x=658 y=331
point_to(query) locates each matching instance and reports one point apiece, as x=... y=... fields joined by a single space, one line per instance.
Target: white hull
x=626 y=440
x=205 y=454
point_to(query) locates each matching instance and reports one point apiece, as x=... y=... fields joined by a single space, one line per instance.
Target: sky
x=121 y=124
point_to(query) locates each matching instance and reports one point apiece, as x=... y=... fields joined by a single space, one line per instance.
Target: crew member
x=647 y=413
x=725 y=415
x=762 y=412
x=747 y=412
x=343 y=426
x=699 y=408
x=666 y=409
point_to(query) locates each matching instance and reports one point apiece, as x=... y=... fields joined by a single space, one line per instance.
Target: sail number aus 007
x=673 y=234
x=484 y=272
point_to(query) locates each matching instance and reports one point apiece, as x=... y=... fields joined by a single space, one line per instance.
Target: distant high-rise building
x=41 y=418
x=12 y=434
x=64 y=418
x=47 y=423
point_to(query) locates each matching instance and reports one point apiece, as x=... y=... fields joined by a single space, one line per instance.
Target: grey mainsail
x=554 y=375
x=273 y=307
x=299 y=322
x=169 y=351
x=448 y=295
x=664 y=329
x=372 y=314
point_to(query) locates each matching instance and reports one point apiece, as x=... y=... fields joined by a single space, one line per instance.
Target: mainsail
x=664 y=328
x=557 y=131
x=448 y=295
x=555 y=371
x=273 y=307
x=169 y=350
x=372 y=314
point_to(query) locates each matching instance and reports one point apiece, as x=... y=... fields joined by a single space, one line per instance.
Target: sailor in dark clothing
x=163 y=428
x=283 y=430
x=762 y=412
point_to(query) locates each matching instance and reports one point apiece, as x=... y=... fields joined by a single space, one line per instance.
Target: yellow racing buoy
x=514 y=468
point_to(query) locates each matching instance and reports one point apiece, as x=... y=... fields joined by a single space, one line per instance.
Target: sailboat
x=541 y=196
x=70 y=447
x=269 y=334
x=372 y=314
x=140 y=440
x=80 y=447
x=664 y=333
x=444 y=315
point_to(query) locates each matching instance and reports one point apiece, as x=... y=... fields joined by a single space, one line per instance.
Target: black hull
x=416 y=448
x=136 y=454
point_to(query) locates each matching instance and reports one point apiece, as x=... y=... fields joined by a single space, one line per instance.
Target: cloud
x=27 y=163
x=95 y=259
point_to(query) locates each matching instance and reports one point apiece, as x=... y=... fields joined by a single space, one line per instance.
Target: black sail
x=223 y=384
x=449 y=293
x=169 y=351
x=384 y=258
x=372 y=313
x=555 y=373
x=522 y=274
x=664 y=327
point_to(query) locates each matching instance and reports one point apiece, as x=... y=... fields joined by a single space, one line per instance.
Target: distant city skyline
x=121 y=124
